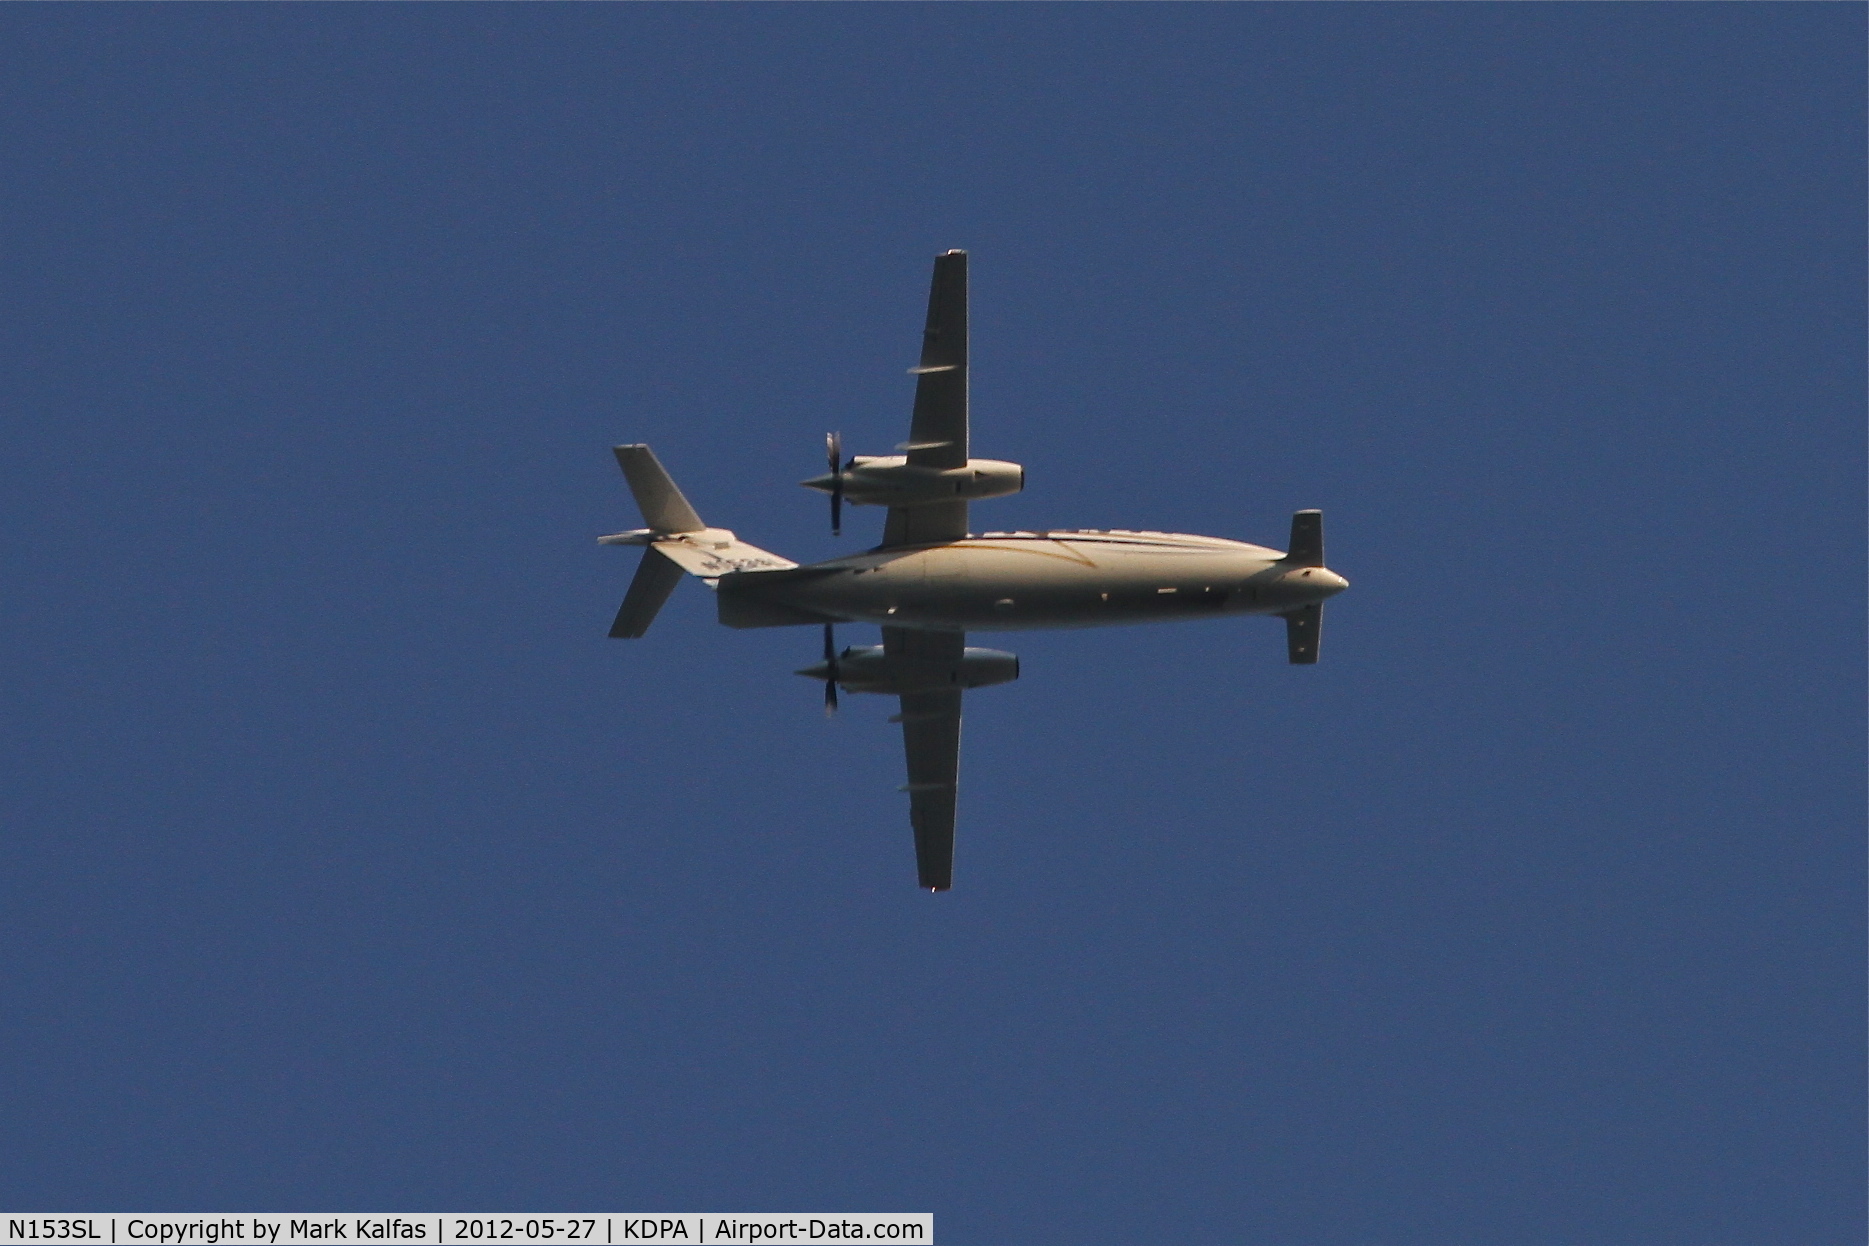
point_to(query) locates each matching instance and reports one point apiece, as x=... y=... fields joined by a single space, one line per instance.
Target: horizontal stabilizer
x=664 y=509
x=714 y=552
x=1302 y=632
x=656 y=578
x=677 y=542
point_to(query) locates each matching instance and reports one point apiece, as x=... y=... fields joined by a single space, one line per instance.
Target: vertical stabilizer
x=677 y=542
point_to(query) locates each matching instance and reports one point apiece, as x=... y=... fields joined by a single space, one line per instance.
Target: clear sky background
x=347 y=865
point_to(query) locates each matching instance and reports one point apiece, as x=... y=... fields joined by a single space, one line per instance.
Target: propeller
x=830 y=655
x=834 y=451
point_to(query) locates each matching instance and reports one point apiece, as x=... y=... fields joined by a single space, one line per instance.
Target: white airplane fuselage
x=1019 y=581
x=930 y=581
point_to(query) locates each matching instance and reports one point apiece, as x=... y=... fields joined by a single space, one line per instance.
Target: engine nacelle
x=866 y=668
x=894 y=481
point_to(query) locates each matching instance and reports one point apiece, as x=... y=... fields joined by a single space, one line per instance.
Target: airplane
x=930 y=581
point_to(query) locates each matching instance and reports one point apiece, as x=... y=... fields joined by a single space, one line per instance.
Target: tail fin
x=664 y=509
x=677 y=541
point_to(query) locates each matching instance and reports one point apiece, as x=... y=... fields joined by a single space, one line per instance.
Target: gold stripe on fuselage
x=1025 y=547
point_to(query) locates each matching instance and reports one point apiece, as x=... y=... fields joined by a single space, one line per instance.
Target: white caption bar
x=432 y=1228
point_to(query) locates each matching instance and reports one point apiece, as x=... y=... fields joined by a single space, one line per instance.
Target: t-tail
x=676 y=541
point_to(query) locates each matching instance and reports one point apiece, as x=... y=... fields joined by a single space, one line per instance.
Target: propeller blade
x=834 y=451
x=830 y=670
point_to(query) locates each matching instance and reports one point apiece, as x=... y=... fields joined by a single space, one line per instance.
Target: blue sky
x=349 y=865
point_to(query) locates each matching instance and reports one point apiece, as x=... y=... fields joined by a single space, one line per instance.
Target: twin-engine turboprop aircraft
x=930 y=582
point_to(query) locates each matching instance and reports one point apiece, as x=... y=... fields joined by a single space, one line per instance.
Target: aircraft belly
x=1052 y=585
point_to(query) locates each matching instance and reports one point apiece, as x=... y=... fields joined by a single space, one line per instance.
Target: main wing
x=938 y=429
x=931 y=738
